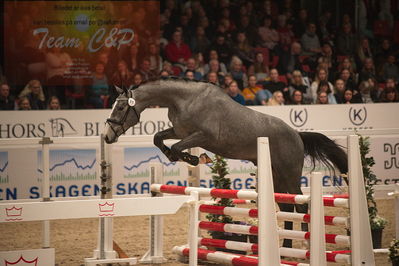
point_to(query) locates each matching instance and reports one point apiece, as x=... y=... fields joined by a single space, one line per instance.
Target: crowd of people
x=259 y=52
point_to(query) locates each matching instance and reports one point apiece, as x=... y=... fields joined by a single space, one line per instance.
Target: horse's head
x=123 y=115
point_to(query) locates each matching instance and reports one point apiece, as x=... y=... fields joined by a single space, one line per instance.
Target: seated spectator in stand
x=363 y=51
x=368 y=70
x=274 y=84
x=389 y=95
x=99 y=89
x=227 y=80
x=164 y=74
x=188 y=74
x=325 y=87
x=234 y=92
x=301 y=23
x=390 y=70
x=284 y=30
x=199 y=43
x=145 y=70
x=155 y=58
x=349 y=97
x=34 y=92
x=327 y=57
x=213 y=77
x=237 y=72
x=296 y=98
x=290 y=61
x=176 y=50
x=190 y=66
x=268 y=36
x=346 y=41
x=213 y=55
x=199 y=63
x=24 y=104
x=383 y=51
x=259 y=68
x=123 y=77
x=214 y=66
x=222 y=48
x=365 y=92
x=243 y=49
x=7 y=101
x=339 y=90
x=321 y=75
x=276 y=99
x=297 y=82
x=322 y=98
x=346 y=76
x=250 y=92
x=137 y=79
x=310 y=41
x=347 y=63
x=54 y=103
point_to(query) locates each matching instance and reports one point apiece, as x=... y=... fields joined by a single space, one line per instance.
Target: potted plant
x=220 y=170
x=393 y=252
x=377 y=223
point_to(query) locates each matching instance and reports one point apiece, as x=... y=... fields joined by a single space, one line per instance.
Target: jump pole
x=155 y=252
x=361 y=243
x=268 y=240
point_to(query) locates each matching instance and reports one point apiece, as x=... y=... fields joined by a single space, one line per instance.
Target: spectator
x=145 y=70
x=54 y=103
x=276 y=99
x=368 y=70
x=346 y=41
x=237 y=72
x=286 y=35
x=310 y=42
x=7 y=101
x=199 y=43
x=297 y=83
x=234 y=92
x=189 y=74
x=227 y=80
x=176 y=50
x=346 y=76
x=213 y=77
x=123 y=78
x=321 y=75
x=347 y=63
x=325 y=87
x=214 y=66
x=191 y=66
x=250 y=92
x=322 y=98
x=390 y=70
x=383 y=51
x=24 y=104
x=137 y=79
x=339 y=90
x=274 y=84
x=364 y=51
x=291 y=61
x=243 y=49
x=259 y=68
x=348 y=97
x=213 y=55
x=268 y=36
x=99 y=89
x=155 y=59
x=301 y=23
x=389 y=95
x=365 y=92
x=327 y=57
x=33 y=91
x=222 y=48
x=296 y=98
x=249 y=30
x=134 y=52
x=199 y=63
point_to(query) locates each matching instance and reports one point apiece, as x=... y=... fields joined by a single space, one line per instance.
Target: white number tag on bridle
x=131 y=102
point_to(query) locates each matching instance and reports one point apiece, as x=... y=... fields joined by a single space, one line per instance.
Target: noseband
x=131 y=102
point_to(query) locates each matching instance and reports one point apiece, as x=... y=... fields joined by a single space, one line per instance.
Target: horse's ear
x=119 y=90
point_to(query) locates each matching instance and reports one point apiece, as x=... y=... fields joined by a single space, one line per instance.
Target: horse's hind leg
x=158 y=141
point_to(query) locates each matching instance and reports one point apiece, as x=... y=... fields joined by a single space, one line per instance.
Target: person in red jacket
x=176 y=50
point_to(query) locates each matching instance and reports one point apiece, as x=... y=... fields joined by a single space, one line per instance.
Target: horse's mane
x=174 y=78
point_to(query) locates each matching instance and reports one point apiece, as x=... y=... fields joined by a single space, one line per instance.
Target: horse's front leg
x=194 y=140
x=158 y=141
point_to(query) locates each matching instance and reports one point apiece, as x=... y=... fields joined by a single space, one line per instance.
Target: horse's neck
x=163 y=93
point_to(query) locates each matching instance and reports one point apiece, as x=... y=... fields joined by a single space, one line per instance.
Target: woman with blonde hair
x=276 y=99
x=34 y=92
x=321 y=75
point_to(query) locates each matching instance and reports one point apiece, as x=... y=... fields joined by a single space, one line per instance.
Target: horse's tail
x=321 y=148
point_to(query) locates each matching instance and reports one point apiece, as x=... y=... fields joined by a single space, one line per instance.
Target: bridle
x=131 y=103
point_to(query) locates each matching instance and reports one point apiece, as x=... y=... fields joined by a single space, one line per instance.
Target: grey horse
x=204 y=116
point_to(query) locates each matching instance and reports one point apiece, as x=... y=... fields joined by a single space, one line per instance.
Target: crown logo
x=22 y=261
x=14 y=214
x=106 y=207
